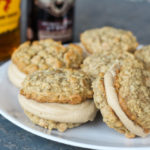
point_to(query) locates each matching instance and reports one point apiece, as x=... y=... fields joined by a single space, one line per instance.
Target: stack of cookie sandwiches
x=42 y=55
x=121 y=79
x=54 y=93
x=61 y=89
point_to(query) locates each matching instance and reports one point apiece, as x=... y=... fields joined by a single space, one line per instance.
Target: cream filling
x=15 y=75
x=80 y=113
x=113 y=102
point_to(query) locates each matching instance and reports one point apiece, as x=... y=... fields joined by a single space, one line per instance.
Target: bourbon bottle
x=9 y=27
x=51 y=19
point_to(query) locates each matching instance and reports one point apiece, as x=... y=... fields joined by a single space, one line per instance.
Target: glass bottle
x=9 y=27
x=51 y=19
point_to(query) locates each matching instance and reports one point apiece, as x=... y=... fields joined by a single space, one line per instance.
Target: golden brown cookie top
x=143 y=55
x=134 y=93
x=101 y=62
x=108 y=38
x=60 y=86
x=45 y=54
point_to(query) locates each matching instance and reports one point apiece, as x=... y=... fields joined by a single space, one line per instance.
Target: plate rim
x=59 y=139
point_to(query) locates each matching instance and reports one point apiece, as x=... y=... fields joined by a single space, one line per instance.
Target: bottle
x=51 y=19
x=9 y=27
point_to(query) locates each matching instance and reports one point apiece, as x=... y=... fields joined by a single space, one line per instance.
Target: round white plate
x=94 y=135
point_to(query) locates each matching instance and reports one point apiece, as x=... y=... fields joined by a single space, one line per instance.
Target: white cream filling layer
x=80 y=113
x=15 y=75
x=113 y=102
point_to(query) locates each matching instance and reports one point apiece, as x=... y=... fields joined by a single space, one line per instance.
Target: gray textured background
x=127 y=14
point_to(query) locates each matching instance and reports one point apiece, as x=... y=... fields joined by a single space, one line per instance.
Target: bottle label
x=57 y=19
x=9 y=15
x=55 y=30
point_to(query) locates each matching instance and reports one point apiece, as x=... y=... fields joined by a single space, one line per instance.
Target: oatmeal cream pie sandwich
x=58 y=99
x=42 y=55
x=123 y=98
x=108 y=38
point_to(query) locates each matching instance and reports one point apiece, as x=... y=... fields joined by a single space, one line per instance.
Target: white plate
x=95 y=135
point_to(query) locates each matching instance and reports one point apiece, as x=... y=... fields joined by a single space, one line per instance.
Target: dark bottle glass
x=51 y=19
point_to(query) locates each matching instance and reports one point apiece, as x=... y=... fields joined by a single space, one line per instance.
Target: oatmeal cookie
x=143 y=55
x=58 y=85
x=101 y=62
x=108 y=38
x=123 y=98
x=45 y=54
